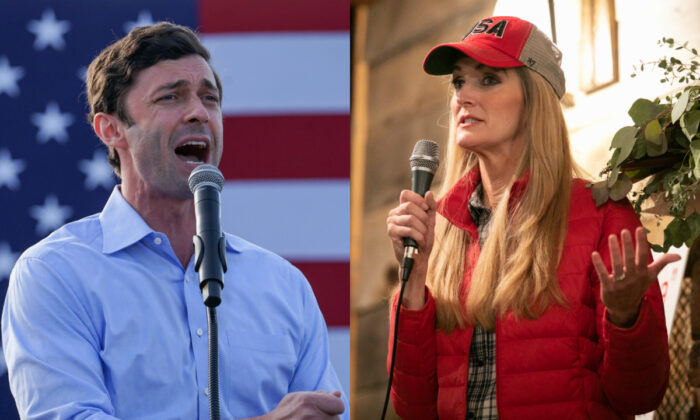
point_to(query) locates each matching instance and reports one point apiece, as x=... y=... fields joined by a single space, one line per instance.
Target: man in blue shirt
x=104 y=318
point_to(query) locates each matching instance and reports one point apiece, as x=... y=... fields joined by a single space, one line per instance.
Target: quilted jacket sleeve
x=414 y=387
x=635 y=366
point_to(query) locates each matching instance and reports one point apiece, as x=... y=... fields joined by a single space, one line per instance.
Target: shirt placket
x=197 y=321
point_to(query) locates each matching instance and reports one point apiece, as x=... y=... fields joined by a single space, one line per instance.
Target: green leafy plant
x=662 y=148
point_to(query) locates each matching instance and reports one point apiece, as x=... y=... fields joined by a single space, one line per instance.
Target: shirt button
x=199 y=332
x=479 y=362
x=157 y=241
x=206 y=391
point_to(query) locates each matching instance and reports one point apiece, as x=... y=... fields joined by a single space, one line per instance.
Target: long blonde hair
x=516 y=270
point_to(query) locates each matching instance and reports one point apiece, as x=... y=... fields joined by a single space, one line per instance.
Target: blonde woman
x=526 y=300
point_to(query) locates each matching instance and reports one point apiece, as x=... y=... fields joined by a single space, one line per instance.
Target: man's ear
x=110 y=129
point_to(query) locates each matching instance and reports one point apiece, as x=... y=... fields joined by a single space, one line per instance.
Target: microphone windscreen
x=425 y=156
x=206 y=175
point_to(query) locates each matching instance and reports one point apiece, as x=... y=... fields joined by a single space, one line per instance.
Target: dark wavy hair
x=112 y=72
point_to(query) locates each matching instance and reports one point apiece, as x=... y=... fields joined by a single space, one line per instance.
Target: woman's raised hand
x=622 y=290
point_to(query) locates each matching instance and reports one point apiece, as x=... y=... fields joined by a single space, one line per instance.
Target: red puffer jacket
x=569 y=364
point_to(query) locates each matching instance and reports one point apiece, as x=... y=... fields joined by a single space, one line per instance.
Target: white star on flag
x=48 y=31
x=9 y=169
x=9 y=76
x=82 y=73
x=97 y=172
x=144 y=19
x=52 y=124
x=7 y=260
x=50 y=215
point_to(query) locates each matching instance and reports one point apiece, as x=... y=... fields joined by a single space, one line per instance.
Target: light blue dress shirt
x=101 y=321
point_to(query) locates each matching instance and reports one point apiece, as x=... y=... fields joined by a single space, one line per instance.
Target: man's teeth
x=195 y=143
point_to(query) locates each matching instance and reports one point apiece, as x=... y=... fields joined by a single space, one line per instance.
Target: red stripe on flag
x=217 y=16
x=331 y=284
x=275 y=147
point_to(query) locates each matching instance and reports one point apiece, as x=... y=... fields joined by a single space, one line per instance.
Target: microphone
x=206 y=182
x=424 y=162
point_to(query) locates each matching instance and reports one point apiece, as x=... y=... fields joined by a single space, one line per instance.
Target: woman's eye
x=490 y=80
x=457 y=83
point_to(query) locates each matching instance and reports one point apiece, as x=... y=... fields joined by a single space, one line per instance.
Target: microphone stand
x=211 y=291
x=214 y=413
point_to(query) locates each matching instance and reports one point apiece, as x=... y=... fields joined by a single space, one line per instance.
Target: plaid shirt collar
x=480 y=213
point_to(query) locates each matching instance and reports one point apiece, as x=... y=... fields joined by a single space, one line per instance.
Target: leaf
x=695 y=152
x=679 y=107
x=621 y=188
x=644 y=110
x=624 y=139
x=652 y=132
x=638 y=174
x=657 y=248
x=654 y=150
x=689 y=124
x=640 y=149
x=676 y=232
x=652 y=187
x=668 y=179
x=614 y=173
x=693 y=224
x=600 y=193
x=614 y=161
x=679 y=137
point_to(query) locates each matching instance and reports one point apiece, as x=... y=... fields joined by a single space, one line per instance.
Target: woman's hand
x=622 y=290
x=413 y=218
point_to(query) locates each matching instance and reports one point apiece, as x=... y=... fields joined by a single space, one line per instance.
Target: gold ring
x=620 y=277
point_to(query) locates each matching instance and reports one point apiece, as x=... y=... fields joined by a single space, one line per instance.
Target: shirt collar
x=477 y=209
x=123 y=226
x=454 y=205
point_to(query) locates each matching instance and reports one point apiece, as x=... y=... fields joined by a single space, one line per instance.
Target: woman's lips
x=468 y=121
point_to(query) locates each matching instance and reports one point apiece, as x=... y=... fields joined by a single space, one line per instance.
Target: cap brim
x=441 y=59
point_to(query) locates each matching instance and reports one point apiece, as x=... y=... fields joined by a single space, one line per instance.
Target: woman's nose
x=465 y=95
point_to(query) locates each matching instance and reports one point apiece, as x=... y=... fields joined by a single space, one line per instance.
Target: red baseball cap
x=502 y=42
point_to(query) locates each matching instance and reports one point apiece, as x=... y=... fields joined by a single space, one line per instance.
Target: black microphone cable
x=393 y=346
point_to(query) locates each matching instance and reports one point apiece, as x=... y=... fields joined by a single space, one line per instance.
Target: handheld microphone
x=206 y=182
x=424 y=163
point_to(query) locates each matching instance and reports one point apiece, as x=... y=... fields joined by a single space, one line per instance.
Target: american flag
x=285 y=68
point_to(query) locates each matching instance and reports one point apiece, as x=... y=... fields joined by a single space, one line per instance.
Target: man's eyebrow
x=172 y=85
x=182 y=82
x=209 y=85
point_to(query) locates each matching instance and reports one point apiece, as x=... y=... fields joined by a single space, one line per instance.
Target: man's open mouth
x=193 y=151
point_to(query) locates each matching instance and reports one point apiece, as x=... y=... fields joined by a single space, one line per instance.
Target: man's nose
x=196 y=111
